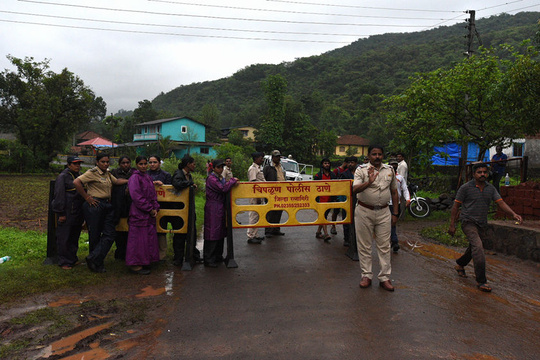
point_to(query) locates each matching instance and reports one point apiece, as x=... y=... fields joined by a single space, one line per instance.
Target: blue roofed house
x=188 y=136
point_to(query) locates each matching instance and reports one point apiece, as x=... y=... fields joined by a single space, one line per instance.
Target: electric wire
x=173 y=34
x=290 y=11
x=179 y=26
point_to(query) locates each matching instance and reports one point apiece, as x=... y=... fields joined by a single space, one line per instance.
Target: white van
x=294 y=171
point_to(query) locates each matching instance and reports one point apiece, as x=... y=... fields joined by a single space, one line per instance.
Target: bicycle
x=419 y=207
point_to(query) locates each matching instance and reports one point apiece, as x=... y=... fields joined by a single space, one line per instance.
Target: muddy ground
x=121 y=318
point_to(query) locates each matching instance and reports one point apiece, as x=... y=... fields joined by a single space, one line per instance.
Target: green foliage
x=18 y=158
x=45 y=108
x=474 y=101
x=270 y=134
x=240 y=156
x=440 y=234
x=326 y=142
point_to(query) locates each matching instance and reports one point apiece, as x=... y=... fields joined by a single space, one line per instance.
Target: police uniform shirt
x=99 y=183
x=227 y=173
x=255 y=173
x=378 y=193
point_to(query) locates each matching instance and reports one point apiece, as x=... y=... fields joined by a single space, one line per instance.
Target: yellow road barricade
x=291 y=197
x=166 y=194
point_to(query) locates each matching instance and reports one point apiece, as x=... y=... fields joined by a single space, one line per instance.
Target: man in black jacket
x=274 y=172
x=67 y=204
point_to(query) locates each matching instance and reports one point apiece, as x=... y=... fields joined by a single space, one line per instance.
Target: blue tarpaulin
x=453 y=151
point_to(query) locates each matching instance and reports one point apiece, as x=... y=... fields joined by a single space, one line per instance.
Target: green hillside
x=341 y=89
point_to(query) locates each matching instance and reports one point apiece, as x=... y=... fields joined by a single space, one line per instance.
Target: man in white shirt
x=402 y=168
x=255 y=173
x=403 y=191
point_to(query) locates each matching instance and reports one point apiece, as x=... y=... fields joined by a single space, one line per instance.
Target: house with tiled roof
x=351 y=145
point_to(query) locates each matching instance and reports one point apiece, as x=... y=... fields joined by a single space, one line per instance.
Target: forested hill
x=341 y=89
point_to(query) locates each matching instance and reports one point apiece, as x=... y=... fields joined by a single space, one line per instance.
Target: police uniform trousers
x=253 y=219
x=67 y=239
x=101 y=230
x=373 y=226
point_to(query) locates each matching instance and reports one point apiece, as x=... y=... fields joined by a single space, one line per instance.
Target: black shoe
x=254 y=241
x=93 y=267
x=259 y=238
x=178 y=263
x=142 y=271
x=346 y=243
x=395 y=248
x=269 y=235
x=199 y=260
x=211 y=264
x=279 y=233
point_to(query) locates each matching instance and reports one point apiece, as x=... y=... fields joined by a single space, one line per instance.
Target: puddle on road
x=437 y=251
x=69 y=343
x=150 y=291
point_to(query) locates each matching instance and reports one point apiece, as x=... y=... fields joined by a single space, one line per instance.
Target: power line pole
x=471 y=26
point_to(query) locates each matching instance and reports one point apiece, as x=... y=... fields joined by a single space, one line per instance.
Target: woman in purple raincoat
x=215 y=228
x=142 y=245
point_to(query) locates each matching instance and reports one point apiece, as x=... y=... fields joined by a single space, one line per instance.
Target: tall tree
x=299 y=134
x=45 y=108
x=270 y=134
x=144 y=112
x=475 y=101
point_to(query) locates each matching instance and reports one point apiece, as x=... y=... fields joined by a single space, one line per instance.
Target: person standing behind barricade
x=274 y=172
x=142 y=246
x=215 y=226
x=375 y=183
x=121 y=202
x=98 y=210
x=339 y=175
x=182 y=179
x=255 y=173
x=352 y=163
x=67 y=205
x=159 y=177
x=227 y=172
x=403 y=191
x=324 y=174
x=498 y=168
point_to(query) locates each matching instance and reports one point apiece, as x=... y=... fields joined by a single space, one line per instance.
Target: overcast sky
x=131 y=50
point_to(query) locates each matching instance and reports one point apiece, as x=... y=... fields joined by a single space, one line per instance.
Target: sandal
x=484 y=287
x=460 y=271
x=327 y=238
x=318 y=235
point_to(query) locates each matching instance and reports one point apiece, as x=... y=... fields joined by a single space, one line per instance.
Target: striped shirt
x=475 y=202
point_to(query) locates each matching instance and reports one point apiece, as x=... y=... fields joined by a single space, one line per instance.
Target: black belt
x=371 y=207
x=102 y=199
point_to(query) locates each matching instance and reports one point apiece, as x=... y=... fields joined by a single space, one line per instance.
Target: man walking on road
x=255 y=173
x=375 y=183
x=475 y=198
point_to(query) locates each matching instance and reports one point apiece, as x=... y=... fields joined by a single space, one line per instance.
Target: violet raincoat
x=142 y=245
x=215 y=227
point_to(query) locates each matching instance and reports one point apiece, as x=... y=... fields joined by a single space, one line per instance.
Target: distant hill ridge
x=349 y=78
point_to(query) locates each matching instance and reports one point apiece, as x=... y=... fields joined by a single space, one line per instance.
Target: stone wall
x=513 y=240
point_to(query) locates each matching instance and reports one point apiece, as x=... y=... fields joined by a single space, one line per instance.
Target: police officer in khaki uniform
x=375 y=183
x=255 y=173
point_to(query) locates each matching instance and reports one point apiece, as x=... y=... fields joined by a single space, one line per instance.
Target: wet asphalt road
x=296 y=297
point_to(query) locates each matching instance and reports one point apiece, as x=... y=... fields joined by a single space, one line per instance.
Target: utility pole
x=471 y=26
